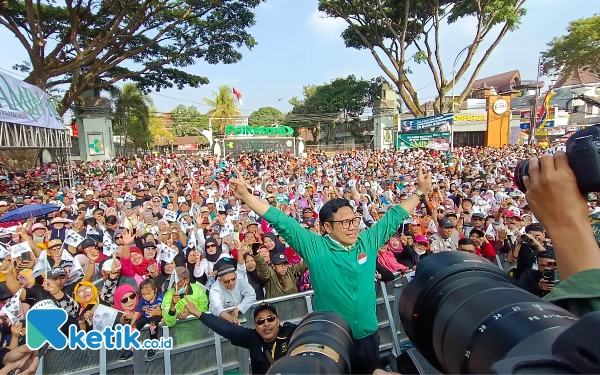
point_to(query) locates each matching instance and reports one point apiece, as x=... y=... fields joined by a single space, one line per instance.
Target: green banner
x=434 y=141
x=261 y=130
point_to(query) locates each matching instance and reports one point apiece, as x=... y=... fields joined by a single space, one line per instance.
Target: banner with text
x=421 y=123
x=25 y=104
x=434 y=141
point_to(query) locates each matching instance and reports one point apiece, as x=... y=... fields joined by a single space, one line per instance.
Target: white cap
x=181 y=200
x=210 y=200
x=107 y=265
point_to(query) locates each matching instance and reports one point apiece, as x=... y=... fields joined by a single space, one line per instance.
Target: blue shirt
x=151 y=305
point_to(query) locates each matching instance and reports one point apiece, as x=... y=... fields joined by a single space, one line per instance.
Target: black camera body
x=583 y=151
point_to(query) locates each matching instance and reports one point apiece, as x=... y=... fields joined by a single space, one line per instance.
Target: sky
x=297 y=46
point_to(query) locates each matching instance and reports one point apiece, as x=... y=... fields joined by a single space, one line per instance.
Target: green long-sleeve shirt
x=195 y=294
x=341 y=277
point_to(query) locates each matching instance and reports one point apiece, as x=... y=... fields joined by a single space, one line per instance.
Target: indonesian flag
x=238 y=95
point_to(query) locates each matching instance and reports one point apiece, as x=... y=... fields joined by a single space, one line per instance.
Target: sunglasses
x=229 y=281
x=270 y=319
x=210 y=246
x=130 y=298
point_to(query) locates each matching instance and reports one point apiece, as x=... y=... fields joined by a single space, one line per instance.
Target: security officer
x=267 y=342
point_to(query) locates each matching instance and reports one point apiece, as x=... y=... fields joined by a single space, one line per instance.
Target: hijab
x=122 y=290
x=279 y=247
x=142 y=268
x=396 y=250
x=388 y=260
x=212 y=257
x=94 y=300
x=255 y=281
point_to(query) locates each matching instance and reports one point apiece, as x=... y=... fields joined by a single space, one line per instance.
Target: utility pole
x=534 y=104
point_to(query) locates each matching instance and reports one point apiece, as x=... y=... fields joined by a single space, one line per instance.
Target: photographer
x=528 y=245
x=267 y=342
x=541 y=281
x=550 y=181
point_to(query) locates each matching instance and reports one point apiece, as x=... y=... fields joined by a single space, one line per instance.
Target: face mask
x=420 y=252
x=181 y=290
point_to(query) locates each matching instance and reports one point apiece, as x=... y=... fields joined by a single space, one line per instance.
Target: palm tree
x=224 y=110
x=132 y=112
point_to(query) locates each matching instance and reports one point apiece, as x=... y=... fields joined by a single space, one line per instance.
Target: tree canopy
x=265 y=116
x=88 y=44
x=223 y=110
x=159 y=132
x=580 y=48
x=187 y=121
x=324 y=105
x=398 y=33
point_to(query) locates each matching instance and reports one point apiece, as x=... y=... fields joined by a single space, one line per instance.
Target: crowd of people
x=160 y=238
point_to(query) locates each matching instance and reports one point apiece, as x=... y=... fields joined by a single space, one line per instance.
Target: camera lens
x=463 y=314
x=321 y=335
x=521 y=170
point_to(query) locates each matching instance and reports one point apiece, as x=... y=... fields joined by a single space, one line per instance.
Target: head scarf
x=94 y=300
x=388 y=260
x=254 y=280
x=122 y=290
x=279 y=247
x=213 y=257
x=142 y=268
x=396 y=250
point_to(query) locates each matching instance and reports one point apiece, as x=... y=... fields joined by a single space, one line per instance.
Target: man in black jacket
x=267 y=342
x=533 y=280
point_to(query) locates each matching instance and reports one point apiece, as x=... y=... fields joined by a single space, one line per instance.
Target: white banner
x=25 y=104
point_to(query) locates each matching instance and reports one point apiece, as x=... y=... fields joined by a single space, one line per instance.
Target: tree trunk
x=20 y=159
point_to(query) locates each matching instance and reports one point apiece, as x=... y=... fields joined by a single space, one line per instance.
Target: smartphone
x=26 y=256
x=255 y=247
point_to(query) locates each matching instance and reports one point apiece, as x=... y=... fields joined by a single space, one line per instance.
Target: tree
x=88 y=44
x=223 y=111
x=265 y=116
x=400 y=32
x=580 y=48
x=187 y=121
x=158 y=129
x=325 y=105
x=132 y=116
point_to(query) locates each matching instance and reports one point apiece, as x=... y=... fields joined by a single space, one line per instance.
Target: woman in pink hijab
x=126 y=300
x=386 y=258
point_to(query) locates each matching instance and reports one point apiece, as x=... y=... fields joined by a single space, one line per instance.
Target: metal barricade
x=198 y=350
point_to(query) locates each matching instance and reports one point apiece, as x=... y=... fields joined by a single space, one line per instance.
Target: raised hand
x=238 y=185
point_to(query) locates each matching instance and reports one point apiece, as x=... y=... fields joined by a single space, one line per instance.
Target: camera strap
x=269 y=356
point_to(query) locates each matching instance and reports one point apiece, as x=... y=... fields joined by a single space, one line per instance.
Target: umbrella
x=31 y=210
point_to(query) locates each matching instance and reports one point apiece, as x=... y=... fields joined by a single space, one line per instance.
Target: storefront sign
x=469 y=118
x=434 y=141
x=187 y=147
x=262 y=130
x=25 y=104
x=427 y=122
x=500 y=106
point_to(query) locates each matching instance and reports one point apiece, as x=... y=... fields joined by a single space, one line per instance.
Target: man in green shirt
x=341 y=263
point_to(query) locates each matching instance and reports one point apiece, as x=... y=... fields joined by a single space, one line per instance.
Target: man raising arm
x=342 y=263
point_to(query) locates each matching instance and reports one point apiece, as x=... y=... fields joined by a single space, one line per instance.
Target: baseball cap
x=87 y=243
x=56 y=273
x=446 y=223
x=38 y=226
x=265 y=306
x=182 y=273
x=210 y=200
x=279 y=259
x=479 y=215
x=180 y=200
x=54 y=243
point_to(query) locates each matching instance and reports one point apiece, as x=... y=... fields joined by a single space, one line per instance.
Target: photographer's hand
x=556 y=201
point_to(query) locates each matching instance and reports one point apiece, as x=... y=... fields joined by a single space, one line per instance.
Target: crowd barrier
x=198 y=350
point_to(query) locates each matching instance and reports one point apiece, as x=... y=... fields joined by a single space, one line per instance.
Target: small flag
x=41 y=266
x=173 y=280
x=238 y=95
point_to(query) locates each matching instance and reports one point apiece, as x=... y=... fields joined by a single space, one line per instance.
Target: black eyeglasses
x=261 y=321
x=210 y=246
x=130 y=298
x=346 y=223
x=229 y=281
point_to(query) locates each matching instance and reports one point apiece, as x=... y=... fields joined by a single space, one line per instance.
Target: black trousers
x=366 y=355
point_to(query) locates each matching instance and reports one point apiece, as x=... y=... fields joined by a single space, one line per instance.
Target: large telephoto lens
x=521 y=170
x=321 y=335
x=463 y=313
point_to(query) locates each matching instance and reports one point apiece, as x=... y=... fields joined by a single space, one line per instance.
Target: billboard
x=433 y=141
x=236 y=146
x=421 y=123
